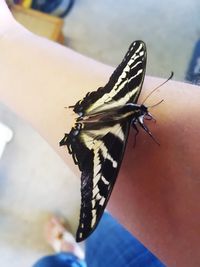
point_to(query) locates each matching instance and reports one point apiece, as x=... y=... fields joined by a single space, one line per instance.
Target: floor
x=104 y=30
x=34 y=182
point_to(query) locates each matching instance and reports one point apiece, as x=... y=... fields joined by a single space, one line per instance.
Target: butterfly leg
x=149 y=117
x=141 y=123
x=63 y=142
x=136 y=132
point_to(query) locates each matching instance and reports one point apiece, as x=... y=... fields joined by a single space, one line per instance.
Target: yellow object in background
x=39 y=23
x=26 y=3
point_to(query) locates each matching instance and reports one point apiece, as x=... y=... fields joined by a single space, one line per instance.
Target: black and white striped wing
x=98 y=148
x=123 y=87
x=104 y=153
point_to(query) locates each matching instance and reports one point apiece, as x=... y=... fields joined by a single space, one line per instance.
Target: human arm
x=157 y=192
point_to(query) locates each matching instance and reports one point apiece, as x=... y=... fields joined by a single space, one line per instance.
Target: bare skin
x=60 y=239
x=156 y=196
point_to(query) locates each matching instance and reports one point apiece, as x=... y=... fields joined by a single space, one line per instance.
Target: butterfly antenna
x=170 y=77
x=156 y=104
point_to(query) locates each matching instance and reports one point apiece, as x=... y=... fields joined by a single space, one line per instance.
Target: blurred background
x=104 y=29
x=34 y=182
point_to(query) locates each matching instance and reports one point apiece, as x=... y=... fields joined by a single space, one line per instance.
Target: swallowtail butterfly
x=97 y=141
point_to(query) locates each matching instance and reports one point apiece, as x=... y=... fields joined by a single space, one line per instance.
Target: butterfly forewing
x=123 y=87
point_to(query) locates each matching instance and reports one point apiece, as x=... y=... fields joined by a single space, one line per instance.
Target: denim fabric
x=111 y=245
x=62 y=259
x=193 y=72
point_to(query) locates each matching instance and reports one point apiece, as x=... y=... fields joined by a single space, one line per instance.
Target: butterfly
x=97 y=141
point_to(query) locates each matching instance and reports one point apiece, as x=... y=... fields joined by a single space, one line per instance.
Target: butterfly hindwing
x=99 y=175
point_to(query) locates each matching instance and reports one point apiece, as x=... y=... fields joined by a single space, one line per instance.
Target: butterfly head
x=144 y=114
x=143 y=110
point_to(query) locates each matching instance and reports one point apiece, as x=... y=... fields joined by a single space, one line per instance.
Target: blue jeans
x=111 y=245
x=193 y=72
x=62 y=259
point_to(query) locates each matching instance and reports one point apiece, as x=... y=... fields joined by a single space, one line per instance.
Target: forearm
x=40 y=78
x=156 y=194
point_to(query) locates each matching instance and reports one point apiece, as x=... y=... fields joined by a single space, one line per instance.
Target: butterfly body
x=98 y=139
